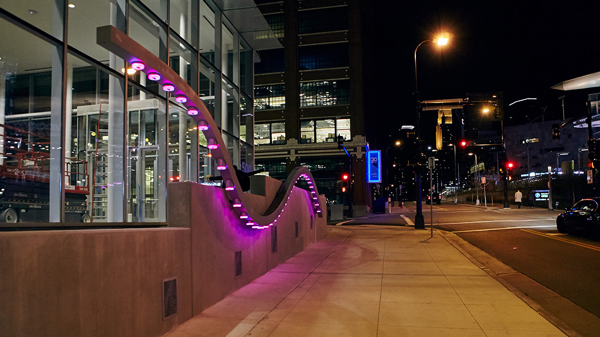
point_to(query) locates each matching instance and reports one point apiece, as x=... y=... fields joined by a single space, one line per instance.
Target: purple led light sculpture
x=138 y=65
x=203 y=126
x=181 y=99
x=168 y=87
x=212 y=144
x=192 y=111
x=221 y=166
x=154 y=77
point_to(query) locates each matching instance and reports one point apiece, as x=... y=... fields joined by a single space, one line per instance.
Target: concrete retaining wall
x=109 y=282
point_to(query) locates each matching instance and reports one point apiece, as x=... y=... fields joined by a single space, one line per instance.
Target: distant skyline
x=519 y=48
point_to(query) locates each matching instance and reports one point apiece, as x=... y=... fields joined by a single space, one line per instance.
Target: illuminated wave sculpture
x=141 y=59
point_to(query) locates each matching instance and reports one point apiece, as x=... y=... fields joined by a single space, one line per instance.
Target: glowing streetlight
x=419 y=220
x=485 y=110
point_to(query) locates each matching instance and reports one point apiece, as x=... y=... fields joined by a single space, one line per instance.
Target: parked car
x=583 y=217
x=436 y=198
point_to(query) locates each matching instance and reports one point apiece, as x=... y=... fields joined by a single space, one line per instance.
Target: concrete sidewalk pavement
x=372 y=281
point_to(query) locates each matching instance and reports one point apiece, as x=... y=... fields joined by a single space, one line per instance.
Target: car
x=583 y=217
x=436 y=198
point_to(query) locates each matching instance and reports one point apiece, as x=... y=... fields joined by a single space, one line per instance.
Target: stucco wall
x=109 y=282
x=92 y=282
x=217 y=233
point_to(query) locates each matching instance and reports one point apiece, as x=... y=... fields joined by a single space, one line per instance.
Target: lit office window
x=324 y=130
x=269 y=97
x=276 y=23
x=269 y=133
x=324 y=93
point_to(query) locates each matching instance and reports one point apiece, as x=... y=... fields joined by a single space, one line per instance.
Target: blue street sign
x=374 y=166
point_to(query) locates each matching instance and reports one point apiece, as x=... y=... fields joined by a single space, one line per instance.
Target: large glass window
x=31 y=144
x=207 y=86
x=207 y=32
x=44 y=15
x=269 y=133
x=271 y=61
x=323 y=93
x=148 y=30
x=324 y=130
x=184 y=20
x=269 y=97
x=277 y=24
x=323 y=20
x=332 y=55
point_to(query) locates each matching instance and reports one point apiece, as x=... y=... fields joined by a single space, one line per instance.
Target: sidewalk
x=372 y=281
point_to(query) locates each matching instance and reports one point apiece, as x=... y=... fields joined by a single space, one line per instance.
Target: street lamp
x=419 y=220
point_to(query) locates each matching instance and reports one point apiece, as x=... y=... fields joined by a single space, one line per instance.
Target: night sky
x=520 y=48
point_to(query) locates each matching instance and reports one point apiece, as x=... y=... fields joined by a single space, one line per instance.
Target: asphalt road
x=525 y=239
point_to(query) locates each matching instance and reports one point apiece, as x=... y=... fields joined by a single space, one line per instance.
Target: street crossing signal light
x=345 y=182
x=345 y=177
x=463 y=144
x=556 y=131
x=340 y=141
x=593 y=149
x=509 y=169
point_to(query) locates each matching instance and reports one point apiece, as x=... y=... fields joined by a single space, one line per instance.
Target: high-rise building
x=310 y=93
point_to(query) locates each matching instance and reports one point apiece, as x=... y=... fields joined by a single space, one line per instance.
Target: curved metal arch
x=132 y=52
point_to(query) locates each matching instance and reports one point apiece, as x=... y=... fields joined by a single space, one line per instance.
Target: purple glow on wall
x=202 y=126
x=181 y=99
x=138 y=66
x=168 y=87
x=154 y=77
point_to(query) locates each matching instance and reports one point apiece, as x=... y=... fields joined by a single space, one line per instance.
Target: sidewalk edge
x=497 y=269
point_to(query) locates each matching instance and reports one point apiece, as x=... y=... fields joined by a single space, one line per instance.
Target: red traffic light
x=345 y=176
x=344 y=189
x=463 y=143
x=510 y=164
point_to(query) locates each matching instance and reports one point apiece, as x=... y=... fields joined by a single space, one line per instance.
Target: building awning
x=584 y=82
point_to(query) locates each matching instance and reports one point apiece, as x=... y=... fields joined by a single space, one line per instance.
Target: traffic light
x=509 y=169
x=463 y=144
x=593 y=149
x=556 y=131
x=345 y=182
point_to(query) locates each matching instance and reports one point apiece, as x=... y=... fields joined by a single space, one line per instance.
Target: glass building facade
x=311 y=92
x=84 y=139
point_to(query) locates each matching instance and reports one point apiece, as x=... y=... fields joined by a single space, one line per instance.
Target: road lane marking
x=558 y=238
x=486 y=221
x=343 y=222
x=500 y=229
x=408 y=221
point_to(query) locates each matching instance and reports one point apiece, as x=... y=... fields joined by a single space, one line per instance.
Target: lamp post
x=419 y=220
